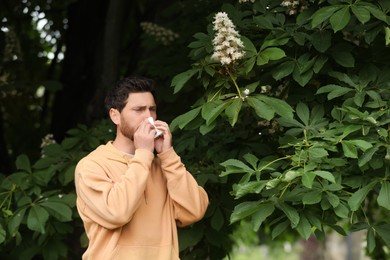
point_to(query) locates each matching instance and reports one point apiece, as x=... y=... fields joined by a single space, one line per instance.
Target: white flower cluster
x=47 y=140
x=244 y=1
x=161 y=34
x=228 y=46
x=294 y=6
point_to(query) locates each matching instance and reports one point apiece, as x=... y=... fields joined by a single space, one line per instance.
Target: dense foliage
x=292 y=136
x=315 y=113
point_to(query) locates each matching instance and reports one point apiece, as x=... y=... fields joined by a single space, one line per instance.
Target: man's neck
x=124 y=144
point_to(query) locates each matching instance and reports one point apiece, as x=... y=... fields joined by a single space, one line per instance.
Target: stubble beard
x=126 y=131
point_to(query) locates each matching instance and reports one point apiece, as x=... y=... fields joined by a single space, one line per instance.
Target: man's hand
x=144 y=136
x=163 y=142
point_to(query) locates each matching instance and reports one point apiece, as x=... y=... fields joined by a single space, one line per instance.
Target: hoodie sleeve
x=189 y=199
x=111 y=204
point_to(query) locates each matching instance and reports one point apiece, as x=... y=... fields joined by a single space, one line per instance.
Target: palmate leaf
x=241 y=190
x=181 y=79
x=233 y=110
x=383 y=231
x=361 y=13
x=2 y=234
x=37 y=218
x=23 y=163
x=291 y=213
x=235 y=166
x=245 y=209
x=323 y=14
x=262 y=109
x=283 y=70
x=340 y=19
x=279 y=228
x=16 y=220
x=211 y=110
x=182 y=120
x=60 y=211
x=304 y=227
x=266 y=209
x=333 y=91
x=271 y=53
x=371 y=244
x=280 y=107
x=358 y=197
x=384 y=195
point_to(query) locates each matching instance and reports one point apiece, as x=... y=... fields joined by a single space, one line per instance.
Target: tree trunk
x=86 y=18
x=5 y=165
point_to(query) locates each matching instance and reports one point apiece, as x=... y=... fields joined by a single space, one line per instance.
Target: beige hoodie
x=130 y=205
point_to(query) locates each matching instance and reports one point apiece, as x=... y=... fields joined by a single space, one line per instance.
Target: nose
x=148 y=113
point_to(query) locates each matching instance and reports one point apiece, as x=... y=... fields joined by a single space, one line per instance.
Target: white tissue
x=158 y=132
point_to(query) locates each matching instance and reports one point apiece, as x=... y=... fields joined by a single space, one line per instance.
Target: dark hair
x=117 y=96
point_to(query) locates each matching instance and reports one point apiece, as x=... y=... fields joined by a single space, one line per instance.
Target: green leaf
x=333 y=199
x=181 y=79
x=210 y=112
x=190 y=236
x=283 y=70
x=319 y=64
x=291 y=213
x=387 y=35
x=291 y=175
x=279 y=228
x=316 y=152
x=342 y=211
x=217 y=220
x=362 y=14
x=262 y=109
x=321 y=40
x=377 y=13
x=340 y=19
x=59 y=210
x=349 y=149
x=3 y=234
x=281 y=107
x=15 y=220
x=244 y=210
x=266 y=209
x=304 y=228
x=334 y=91
x=344 y=58
x=303 y=113
x=233 y=110
x=263 y=22
x=23 y=163
x=383 y=231
x=367 y=155
x=371 y=240
x=323 y=14
x=307 y=179
x=363 y=145
x=252 y=159
x=37 y=218
x=384 y=195
x=312 y=197
x=247 y=188
x=182 y=120
x=325 y=175
x=235 y=166
x=358 y=197
x=273 y=53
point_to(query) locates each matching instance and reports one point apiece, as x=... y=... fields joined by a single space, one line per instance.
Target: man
x=130 y=200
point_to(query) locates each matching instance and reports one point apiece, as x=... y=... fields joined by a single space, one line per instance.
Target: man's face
x=139 y=106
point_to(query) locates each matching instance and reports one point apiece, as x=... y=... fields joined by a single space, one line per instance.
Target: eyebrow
x=143 y=107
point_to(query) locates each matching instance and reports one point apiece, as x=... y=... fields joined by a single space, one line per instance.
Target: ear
x=115 y=116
